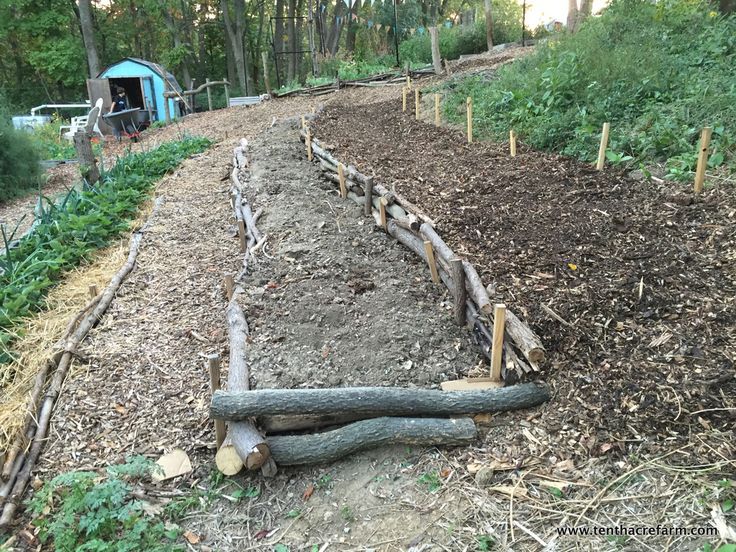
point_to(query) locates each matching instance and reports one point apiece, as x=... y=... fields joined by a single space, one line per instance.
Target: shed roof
x=155 y=67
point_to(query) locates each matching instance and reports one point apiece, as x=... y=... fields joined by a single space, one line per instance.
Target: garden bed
x=626 y=282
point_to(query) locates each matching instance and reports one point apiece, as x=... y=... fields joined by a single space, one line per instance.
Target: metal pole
x=396 y=34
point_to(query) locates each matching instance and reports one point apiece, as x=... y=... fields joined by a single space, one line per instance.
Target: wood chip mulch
x=631 y=285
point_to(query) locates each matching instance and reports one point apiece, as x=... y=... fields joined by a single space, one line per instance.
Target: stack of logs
x=523 y=352
x=368 y=417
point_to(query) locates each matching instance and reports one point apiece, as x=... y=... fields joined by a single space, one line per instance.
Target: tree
x=489 y=24
x=235 y=26
x=88 y=35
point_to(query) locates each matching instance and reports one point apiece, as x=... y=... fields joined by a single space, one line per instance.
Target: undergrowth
x=89 y=511
x=67 y=230
x=658 y=71
x=19 y=161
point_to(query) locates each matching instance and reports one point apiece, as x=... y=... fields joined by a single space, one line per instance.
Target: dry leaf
x=120 y=409
x=572 y=266
x=445 y=473
x=192 y=538
x=262 y=534
x=308 y=492
x=509 y=490
x=173 y=464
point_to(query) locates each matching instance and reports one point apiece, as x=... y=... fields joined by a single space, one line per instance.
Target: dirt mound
x=630 y=285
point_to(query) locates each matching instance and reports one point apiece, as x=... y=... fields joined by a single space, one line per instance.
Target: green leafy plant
x=485 y=543
x=102 y=511
x=431 y=480
x=347 y=513
x=67 y=230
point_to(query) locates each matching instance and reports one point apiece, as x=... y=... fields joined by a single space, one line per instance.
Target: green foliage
x=87 y=511
x=67 y=230
x=457 y=41
x=431 y=480
x=485 y=543
x=19 y=161
x=659 y=72
x=51 y=146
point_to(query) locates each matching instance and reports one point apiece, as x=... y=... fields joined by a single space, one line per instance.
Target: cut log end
x=228 y=461
x=257 y=457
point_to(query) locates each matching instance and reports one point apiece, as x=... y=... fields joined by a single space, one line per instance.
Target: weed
x=485 y=542
x=295 y=513
x=347 y=514
x=91 y=511
x=324 y=482
x=432 y=481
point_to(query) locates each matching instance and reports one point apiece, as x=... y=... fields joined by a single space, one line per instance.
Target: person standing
x=119 y=102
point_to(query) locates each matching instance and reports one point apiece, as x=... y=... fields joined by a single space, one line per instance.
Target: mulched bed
x=642 y=275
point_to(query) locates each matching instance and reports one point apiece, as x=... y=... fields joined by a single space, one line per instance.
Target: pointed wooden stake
x=416 y=103
x=469 y=107
x=499 y=327
x=403 y=98
x=341 y=177
x=431 y=262
x=241 y=233
x=382 y=202
x=229 y=286
x=702 y=159
x=602 y=149
x=213 y=363
x=512 y=143
x=436 y=110
x=92 y=291
x=309 y=145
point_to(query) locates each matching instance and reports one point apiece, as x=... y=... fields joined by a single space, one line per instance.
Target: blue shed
x=144 y=83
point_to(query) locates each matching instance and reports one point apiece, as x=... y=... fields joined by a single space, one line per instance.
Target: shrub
x=658 y=72
x=19 y=161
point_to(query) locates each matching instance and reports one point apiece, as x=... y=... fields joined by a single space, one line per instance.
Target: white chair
x=89 y=123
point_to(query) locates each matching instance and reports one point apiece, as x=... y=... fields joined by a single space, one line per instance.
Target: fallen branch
x=388 y=401
x=289 y=450
x=44 y=416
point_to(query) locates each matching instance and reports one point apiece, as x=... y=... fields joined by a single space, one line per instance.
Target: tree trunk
x=387 y=401
x=435 y=41
x=289 y=450
x=291 y=31
x=88 y=35
x=586 y=10
x=352 y=27
x=727 y=7
x=333 y=38
x=572 y=15
x=233 y=27
x=489 y=24
x=278 y=40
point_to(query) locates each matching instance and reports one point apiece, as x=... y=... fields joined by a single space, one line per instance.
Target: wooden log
x=389 y=401
x=87 y=162
x=459 y=293
x=250 y=221
x=368 y=193
x=242 y=436
x=320 y=448
x=525 y=339
x=409 y=222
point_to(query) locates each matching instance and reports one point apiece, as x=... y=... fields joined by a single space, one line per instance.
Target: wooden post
x=408 y=79
x=469 y=105
x=436 y=110
x=512 y=143
x=603 y=146
x=702 y=159
x=309 y=145
x=87 y=162
x=431 y=262
x=209 y=95
x=460 y=294
x=213 y=363
x=403 y=98
x=92 y=291
x=241 y=233
x=416 y=103
x=266 y=80
x=368 y=196
x=341 y=177
x=167 y=113
x=499 y=327
x=227 y=94
x=382 y=212
x=229 y=286
x=304 y=122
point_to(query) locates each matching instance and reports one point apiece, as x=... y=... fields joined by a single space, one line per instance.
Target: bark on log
x=243 y=436
x=389 y=401
x=286 y=424
x=87 y=162
x=525 y=339
x=290 y=450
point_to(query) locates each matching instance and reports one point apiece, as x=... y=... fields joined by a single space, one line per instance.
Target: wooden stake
x=429 y=250
x=343 y=185
x=436 y=110
x=512 y=143
x=382 y=202
x=499 y=326
x=92 y=291
x=403 y=99
x=469 y=105
x=460 y=294
x=368 y=196
x=213 y=362
x=416 y=103
x=241 y=233
x=229 y=286
x=266 y=79
x=227 y=95
x=209 y=96
x=304 y=122
x=309 y=145
x=702 y=159
x=408 y=81
x=603 y=146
